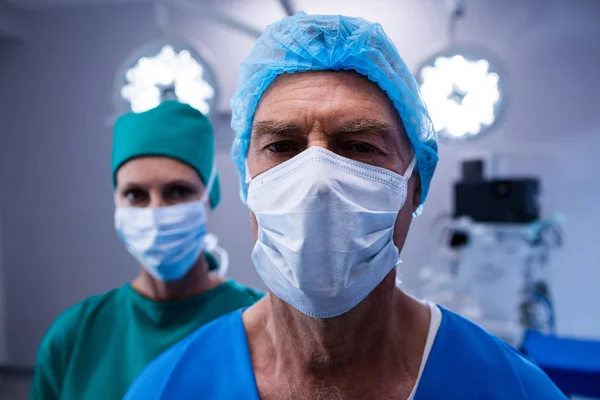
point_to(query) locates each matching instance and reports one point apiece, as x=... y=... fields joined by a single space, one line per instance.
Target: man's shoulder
x=470 y=351
x=199 y=362
x=536 y=383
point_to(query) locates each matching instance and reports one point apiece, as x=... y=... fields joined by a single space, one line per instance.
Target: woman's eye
x=136 y=196
x=180 y=192
x=280 y=147
x=362 y=147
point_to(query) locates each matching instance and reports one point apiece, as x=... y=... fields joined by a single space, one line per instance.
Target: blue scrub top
x=465 y=362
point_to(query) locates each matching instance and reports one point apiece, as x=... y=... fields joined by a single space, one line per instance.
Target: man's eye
x=362 y=147
x=280 y=147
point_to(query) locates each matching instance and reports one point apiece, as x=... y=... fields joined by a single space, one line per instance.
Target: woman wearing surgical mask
x=165 y=184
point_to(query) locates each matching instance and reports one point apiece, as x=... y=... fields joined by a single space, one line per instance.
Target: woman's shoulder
x=63 y=330
x=245 y=292
x=181 y=370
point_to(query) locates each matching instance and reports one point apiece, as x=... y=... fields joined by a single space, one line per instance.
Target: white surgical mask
x=325 y=226
x=166 y=241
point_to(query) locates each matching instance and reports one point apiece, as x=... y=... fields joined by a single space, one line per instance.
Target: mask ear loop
x=410 y=168
x=210 y=183
x=211 y=245
x=407 y=175
x=397 y=266
x=248 y=178
x=210 y=240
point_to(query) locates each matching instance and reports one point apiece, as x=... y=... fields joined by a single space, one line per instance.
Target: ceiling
x=42 y=4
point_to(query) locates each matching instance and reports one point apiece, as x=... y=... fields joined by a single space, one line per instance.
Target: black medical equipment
x=511 y=200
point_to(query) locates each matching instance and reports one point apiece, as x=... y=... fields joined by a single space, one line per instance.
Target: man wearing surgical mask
x=165 y=185
x=336 y=151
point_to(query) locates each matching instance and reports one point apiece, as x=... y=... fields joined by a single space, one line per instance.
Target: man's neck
x=384 y=335
x=197 y=280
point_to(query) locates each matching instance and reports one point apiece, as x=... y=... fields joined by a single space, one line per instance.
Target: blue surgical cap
x=332 y=42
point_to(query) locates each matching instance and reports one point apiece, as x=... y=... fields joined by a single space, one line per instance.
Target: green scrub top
x=96 y=349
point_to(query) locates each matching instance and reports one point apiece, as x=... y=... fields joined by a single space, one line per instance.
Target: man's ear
x=416 y=192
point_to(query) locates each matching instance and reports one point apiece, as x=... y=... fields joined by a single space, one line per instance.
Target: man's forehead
x=339 y=97
x=348 y=125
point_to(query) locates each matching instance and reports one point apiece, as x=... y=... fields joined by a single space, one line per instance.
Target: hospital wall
x=3 y=300
x=57 y=238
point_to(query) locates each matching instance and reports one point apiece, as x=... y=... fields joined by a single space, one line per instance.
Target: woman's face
x=156 y=182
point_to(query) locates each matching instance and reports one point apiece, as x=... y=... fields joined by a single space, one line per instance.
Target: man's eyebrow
x=261 y=128
x=374 y=126
x=129 y=186
x=358 y=126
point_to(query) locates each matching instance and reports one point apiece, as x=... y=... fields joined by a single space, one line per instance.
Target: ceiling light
x=166 y=71
x=463 y=94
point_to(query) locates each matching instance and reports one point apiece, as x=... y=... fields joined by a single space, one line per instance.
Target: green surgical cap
x=173 y=130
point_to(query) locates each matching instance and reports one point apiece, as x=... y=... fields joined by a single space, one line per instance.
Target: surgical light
x=166 y=72
x=463 y=94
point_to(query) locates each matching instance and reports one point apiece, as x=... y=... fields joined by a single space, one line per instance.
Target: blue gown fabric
x=465 y=362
